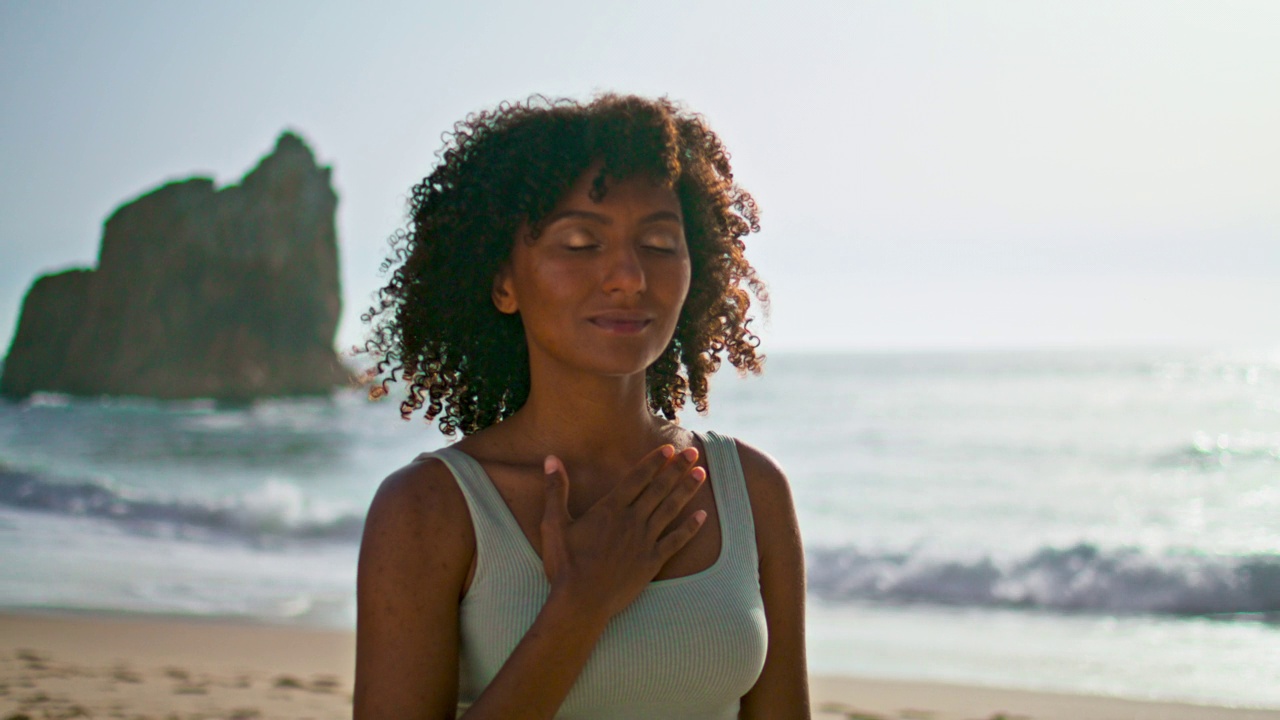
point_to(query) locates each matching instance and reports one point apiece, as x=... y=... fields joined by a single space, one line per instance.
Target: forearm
x=542 y=669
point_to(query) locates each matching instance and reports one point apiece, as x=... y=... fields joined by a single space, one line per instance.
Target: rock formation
x=199 y=293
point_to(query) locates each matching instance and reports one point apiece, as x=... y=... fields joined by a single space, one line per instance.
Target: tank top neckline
x=508 y=518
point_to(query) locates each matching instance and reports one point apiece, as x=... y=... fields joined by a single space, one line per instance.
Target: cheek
x=561 y=275
x=681 y=281
x=548 y=283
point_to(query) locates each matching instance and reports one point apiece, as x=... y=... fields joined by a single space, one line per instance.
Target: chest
x=523 y=493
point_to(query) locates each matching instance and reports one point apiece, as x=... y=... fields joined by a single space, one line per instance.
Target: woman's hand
x=603 y=559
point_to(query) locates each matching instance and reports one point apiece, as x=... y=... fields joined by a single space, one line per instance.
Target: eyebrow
x=659 y=216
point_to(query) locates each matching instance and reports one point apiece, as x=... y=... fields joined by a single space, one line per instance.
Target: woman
x=571 y=274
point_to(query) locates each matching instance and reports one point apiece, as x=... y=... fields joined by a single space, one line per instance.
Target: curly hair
x=434 y=323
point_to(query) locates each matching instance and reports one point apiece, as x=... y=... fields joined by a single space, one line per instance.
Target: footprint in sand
x=850 y=713
x=325 y=683
x=288 y=682
x=126 y=674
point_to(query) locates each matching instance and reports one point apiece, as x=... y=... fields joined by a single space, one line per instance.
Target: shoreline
x=56 y=663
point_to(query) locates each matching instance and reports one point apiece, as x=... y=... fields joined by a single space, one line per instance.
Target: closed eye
x=663 y=241
x=579 y=239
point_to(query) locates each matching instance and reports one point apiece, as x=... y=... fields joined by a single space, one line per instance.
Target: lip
x=621 y=322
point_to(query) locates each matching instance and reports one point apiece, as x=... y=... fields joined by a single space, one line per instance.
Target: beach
x=993 y=289
x=1095 y=524
x=56 y=665
x=113 y=666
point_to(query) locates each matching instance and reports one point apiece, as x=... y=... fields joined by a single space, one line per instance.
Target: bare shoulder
x=767 y=484
x=772 y=509
x=419 y=511
x=422 y=490
x=414 y=559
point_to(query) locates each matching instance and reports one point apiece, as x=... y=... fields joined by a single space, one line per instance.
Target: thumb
x=556 y=510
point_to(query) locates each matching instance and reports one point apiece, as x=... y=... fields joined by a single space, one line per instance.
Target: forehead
x=635 y=190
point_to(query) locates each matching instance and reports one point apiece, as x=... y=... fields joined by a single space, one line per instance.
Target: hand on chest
x=523 y=492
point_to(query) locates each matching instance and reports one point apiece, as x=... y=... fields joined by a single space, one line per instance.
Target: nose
x=624 y=274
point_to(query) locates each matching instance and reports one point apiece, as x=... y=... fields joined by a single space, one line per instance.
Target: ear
x=504 y=294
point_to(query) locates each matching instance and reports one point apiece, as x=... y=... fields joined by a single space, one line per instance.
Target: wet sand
x=91 y=666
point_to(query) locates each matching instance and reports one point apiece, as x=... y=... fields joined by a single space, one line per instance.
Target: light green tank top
x=687 y=647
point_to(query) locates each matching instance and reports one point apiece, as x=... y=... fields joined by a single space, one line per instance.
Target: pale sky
x=932 y=174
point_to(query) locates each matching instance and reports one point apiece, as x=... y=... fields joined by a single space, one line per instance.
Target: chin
x=620 y=368
x=619 y=362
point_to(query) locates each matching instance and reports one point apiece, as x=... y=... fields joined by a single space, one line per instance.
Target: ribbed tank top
x=687 y=647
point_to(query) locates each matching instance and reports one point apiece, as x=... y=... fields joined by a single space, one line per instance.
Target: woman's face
x=600 y=290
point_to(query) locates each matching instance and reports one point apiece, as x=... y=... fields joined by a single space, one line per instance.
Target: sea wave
x=1210 y=452
x=274 y=512
x=1080 y=578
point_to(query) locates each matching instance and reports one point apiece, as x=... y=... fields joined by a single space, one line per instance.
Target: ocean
x=1079 y=521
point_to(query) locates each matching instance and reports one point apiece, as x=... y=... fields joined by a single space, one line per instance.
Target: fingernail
x=549 y=465
x=668 y=451
x=690 y=454
x=698 y=474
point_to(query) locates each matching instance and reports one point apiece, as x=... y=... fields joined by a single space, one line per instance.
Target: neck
x=589 y=421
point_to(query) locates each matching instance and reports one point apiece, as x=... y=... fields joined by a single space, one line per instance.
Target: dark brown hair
x=435 y=325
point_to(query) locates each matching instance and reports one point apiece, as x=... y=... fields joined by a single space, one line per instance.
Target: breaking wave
x=1081 y=578
x=274 y=512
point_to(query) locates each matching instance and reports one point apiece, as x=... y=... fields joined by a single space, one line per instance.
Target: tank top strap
x=500 y=543
x=737 y=527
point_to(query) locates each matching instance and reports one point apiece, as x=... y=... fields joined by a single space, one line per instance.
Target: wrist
x=583 y=610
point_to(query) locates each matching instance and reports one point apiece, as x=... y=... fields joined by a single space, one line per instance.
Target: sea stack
x=199 y=292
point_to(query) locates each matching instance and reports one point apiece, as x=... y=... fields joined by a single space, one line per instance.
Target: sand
x=857 y=699
x=128 y=667
x=79 y=666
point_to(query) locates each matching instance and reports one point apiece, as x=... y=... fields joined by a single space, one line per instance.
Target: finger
x=664 y=481
x=671 y=543
x=671 y=506
x=555 y=513
x=638 y=479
